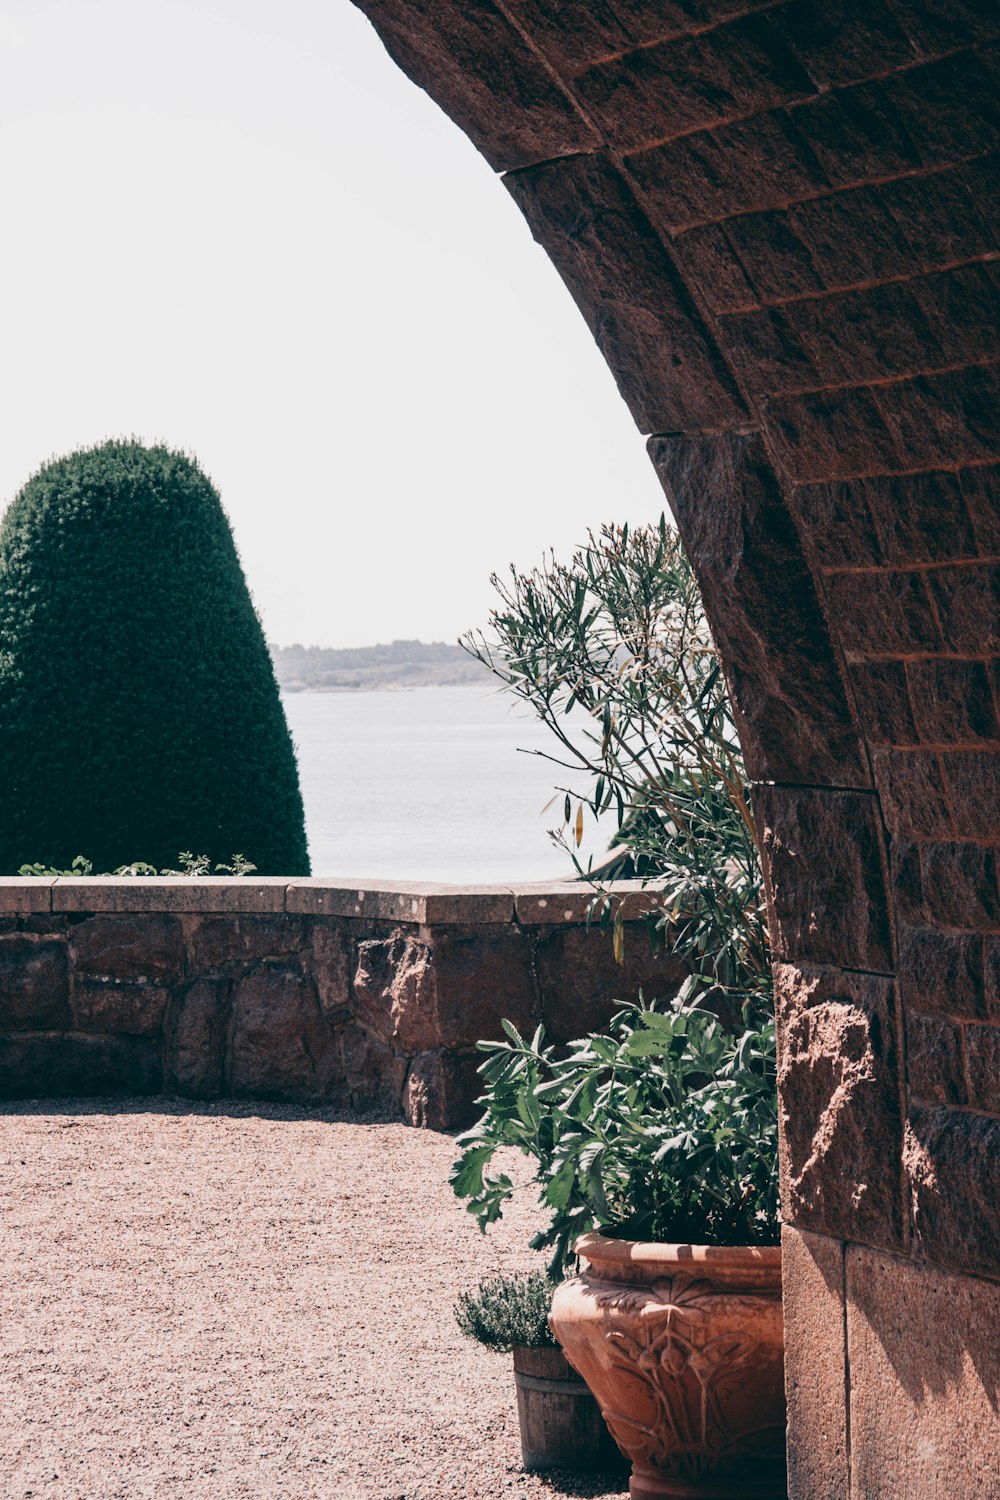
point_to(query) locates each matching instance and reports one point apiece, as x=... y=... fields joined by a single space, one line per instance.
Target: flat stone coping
x=532 y=904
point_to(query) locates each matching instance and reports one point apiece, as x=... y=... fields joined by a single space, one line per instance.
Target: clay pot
x=683 y=1347
x=561 y=1426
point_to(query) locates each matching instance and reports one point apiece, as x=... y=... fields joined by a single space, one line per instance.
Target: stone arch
x=773 y=216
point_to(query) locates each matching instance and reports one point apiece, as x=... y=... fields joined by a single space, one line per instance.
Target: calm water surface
x=426 y=785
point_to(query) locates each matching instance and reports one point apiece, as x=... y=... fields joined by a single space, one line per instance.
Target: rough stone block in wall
x=952 y=1162
x=959 y=883
x=912 y=791
x=194 y=1046
x=230 y=942
x=132 y=947
x=884 y=614
x=34 y=983
x=925 y=1382
x=118 y=1008
x=967 y=602
x=795 y=719
x=485 y=76
x=953 y=701
x=824 y=865
x=690 y=83
x=441 y=1089
x=937 y=28
x=935 y=1072
x=812 y=1288
x=972 y=782
x=982 y=1064
x=759 y=163
x=622 y=279
x=882 y=697
x=840 y=1104
x=281 y=1047
x=582 y=985
x=943 y=973
x=887 y=520
x=832 y=435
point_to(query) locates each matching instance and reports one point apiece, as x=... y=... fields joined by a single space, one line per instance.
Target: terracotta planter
x=683 y=1347
x=561 y=1426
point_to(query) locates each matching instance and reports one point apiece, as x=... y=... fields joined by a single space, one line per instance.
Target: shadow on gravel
x=233 y=1109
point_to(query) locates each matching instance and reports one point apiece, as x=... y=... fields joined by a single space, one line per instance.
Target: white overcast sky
x=235 y=227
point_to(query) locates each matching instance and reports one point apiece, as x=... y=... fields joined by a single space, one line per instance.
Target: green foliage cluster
x=190 y=864
x=663 y=1129
x=508 y=1312
x=138 y=703
x=612 y=652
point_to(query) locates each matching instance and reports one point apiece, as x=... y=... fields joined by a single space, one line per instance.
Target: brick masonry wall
x=305 y=991
x=778 y=219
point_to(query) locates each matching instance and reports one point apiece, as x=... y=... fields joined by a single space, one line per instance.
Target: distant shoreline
x=398 y=667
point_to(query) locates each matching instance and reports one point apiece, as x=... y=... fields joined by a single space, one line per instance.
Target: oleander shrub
x=138 y=703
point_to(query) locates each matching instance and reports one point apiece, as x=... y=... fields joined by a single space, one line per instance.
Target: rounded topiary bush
x=139 y=713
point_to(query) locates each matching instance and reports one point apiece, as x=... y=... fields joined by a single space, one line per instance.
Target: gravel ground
x=222 y=1301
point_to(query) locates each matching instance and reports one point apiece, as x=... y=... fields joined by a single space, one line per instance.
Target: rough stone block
x=230 y=941
x=839 y=1093
x=942 y=972
x=441 y=1089
x=195 y=1040
x=824 y=864
x=373 y=1073
x=980 y=487
x=482 y=72
x=882 y=695
x=982 y=1061
x=709 y=262
x=907 y=882
x=768 y=354
x=812 y=1292
x=934 y=1069
x=856 y=134
x=883 y=614
x=393 y=992
x=330 y=964
x=139 y=948
x=972 y=780
x=59 y=1065
x=936 y=28
x=280 y=1045
x=118 y=1008
x=949 y=418
x=582 y=985
x=481 y=978
x=795 y=719
x=838 y=524
x=968 y=604
x=925 y=1381
x=913 y=794
x=34 y=984
x=624 y=283
x=774 y=259
x=689 y=83
x=952 y=700
x=947 y=108
x=960 y=885
x=841 y=42
x=759 y=163
x=833 y=434
x=921 y=518
x=953 y=1163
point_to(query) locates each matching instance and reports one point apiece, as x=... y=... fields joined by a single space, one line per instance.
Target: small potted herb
x=561 y=1426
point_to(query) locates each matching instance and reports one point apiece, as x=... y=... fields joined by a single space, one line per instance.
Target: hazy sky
x=235 y=227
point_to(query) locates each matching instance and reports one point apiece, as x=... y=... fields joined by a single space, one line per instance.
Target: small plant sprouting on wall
x=190 y=864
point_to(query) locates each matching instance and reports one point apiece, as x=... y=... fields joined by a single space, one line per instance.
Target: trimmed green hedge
x=138 y=704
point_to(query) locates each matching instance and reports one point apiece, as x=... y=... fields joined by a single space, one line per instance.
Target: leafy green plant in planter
x=664 y=1128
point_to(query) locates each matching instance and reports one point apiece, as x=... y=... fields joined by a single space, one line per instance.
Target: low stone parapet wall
x=311 y=991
